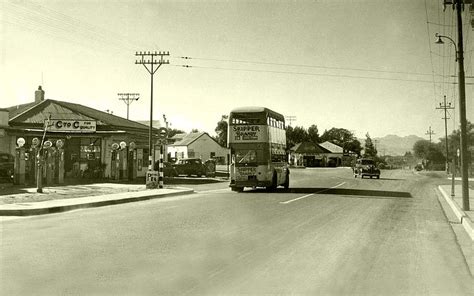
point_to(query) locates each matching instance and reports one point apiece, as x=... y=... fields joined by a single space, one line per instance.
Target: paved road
x=330 y=234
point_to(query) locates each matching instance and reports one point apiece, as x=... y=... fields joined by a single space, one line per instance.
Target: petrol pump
x=123 y=160
x=31 y=166
x=114 y=167
x=48 y=167
x=132 y=161
x=20 y=163
x=59 y=161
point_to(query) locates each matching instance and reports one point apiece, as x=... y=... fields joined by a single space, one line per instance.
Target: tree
x=429 y=152
x=369 y=147
x=313 y=134
x=342 y=138
x=195 y=130
x=295 y=135
x=454 y=140
x=221 y=131
x=172 y=132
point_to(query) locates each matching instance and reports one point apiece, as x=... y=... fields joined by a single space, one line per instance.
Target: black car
x=190 y=166
x=168 y=169
x=366 y=167
x=7 y=165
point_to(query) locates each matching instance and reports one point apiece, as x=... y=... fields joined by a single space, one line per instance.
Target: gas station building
x=78 y=142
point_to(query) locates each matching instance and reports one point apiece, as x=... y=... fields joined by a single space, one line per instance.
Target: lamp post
x=462 y=107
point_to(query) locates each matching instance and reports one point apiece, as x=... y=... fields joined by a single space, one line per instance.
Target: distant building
x=199 y=145
x=307 y=154
x=333 y=154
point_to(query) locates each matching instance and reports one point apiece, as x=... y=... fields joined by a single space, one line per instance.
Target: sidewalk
x=465 y=218
x=71 y=197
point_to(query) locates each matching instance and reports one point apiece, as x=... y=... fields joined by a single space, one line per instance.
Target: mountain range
x=393 y=144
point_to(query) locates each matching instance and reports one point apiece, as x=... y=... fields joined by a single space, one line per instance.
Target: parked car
x=7 y=165
x=190 y=166
x=168 y=169
x=366 y=167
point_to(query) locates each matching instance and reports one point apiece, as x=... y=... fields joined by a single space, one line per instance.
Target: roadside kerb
x=459 y=213
x=63 y=205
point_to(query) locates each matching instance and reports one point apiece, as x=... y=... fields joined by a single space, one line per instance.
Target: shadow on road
x=339 y=191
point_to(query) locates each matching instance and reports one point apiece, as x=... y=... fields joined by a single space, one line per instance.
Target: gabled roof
x=186 y=139
x=307 y=148
x=331 y=147
x=36 y=113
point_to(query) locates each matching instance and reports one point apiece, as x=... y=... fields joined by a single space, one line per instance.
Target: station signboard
x=72 y=126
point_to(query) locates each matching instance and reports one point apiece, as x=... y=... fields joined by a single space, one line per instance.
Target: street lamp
x=462 y=109
x=440 y=41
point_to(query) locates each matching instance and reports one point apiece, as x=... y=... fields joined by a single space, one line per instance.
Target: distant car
x=168 y=169
x=419 y=167
x=366 y=167
x=190 y=166
x=7 y=165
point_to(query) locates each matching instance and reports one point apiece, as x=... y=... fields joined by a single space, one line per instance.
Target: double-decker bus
x=257 y=142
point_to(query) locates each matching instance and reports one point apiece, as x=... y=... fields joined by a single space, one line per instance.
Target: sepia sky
x=368 y=66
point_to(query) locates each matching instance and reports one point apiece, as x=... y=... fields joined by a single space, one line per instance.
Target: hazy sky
x=366 y=66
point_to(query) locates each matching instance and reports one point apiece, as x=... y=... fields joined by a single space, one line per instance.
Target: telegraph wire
x=302 y=73
x=301 y=65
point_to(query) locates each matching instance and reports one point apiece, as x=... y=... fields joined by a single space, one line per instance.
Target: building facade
x=85 y=142
x=199 y=145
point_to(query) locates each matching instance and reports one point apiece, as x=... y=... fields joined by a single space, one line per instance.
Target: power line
x=305 y=73
x=303 y=65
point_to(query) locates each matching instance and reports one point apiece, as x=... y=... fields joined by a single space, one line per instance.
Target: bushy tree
x=313 y=134
x=221 y=131
x=428 y=151
x=172 y=132
x=343 y=138
x=295 y=135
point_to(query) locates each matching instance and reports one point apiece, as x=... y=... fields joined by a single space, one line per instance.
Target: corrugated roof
x=34 y=113
x=331 y=147
x=307 y=148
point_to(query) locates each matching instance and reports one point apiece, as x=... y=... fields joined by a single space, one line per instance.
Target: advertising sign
x=72 y=126
x=248 y=133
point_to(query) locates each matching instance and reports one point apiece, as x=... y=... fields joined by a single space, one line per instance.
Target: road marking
x=213 y=190
x=308 y=195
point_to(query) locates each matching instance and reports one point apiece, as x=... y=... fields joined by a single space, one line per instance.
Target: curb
x=42 y=208
x=459 y=213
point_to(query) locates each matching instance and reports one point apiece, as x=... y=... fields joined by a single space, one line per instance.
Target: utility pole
x=152 y=61
x=430 y=132
x=445 y=108
x=128 y=98
x=290 y=119
x=462 y=110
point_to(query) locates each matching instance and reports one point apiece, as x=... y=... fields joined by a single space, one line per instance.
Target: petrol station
x=54 y=141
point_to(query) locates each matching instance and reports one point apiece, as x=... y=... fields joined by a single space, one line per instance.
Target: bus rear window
x=246 y=156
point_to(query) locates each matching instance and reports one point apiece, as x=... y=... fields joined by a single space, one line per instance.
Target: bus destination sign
x=247 y=133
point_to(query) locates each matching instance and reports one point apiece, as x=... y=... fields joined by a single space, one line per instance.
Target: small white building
x=199 y=145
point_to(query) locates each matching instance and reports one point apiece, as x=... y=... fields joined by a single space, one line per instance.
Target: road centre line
x=213 y=190
x=308 y=195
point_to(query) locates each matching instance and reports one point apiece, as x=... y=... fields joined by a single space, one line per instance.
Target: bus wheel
x=286 y=185
x=274 y=183
x=237 y=189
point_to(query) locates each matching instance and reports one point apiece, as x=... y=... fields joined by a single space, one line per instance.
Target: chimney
x=39 y=95
x=4 y=117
